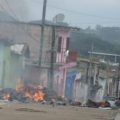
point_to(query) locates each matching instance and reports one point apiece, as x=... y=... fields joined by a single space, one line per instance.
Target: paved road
x=45 y=112
x=117 y=117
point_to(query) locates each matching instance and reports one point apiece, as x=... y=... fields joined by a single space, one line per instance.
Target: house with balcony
x=66 y=61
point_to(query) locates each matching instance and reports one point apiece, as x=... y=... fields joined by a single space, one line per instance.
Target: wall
x=69 y=84
x=30 y=34
x=5 y=65
x=101 y=92
x=59 y=82
x=1 y=63
x=80 y=91
x=10 y=67
x=16 y=67
x=31 y=75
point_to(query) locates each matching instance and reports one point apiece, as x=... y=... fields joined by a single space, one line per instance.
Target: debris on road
x=29 y=110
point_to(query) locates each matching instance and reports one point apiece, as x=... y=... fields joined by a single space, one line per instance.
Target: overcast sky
x=81 y=13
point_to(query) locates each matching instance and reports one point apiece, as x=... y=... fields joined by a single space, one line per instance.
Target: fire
x=35 y=95
x=32 y=92
x=27 y=94
x=38 y=96
x=6 y=96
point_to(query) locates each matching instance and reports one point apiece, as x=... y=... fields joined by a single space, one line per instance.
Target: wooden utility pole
x=51 y=80
x=117 y=82
x=42 y=32
x=90 y=71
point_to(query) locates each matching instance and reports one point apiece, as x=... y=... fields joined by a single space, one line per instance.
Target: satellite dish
x=59 y=18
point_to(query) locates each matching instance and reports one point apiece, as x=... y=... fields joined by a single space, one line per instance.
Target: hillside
x=110 y=34
x=83 y=42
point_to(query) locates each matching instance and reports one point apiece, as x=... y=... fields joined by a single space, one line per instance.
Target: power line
x=5 y=10
x=15 y=16
x=71 y=11
x=78 y=12
x=12 y=11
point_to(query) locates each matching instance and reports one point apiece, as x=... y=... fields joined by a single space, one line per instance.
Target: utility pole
x=117 y=82
x=91 y=56
x=90 y=69
x=42 y=32
x=52 y=59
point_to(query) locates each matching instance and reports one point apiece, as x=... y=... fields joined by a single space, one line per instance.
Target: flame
x=33 y=92
x=6 y=96
x=38 y=96
x=27 y=94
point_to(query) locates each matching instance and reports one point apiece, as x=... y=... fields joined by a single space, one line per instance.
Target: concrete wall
x=1 y=63
x=10 y=67
x=30 y=34
x=31 y=75
x=80 y=91
x=59 y=82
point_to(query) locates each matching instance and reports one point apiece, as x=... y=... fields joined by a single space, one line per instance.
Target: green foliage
x=110 y=34
x=83 y=42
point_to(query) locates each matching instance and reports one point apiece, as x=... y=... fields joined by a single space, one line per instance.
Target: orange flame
x=38 y=96
x=33 y=92
x=6 y=96
x=35 y=96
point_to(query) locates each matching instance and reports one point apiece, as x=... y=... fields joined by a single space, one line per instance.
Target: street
x=18 y=111
x=117 y=117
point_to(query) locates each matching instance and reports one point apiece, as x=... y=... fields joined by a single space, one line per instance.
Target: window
x=67 y=43
x=59 y=44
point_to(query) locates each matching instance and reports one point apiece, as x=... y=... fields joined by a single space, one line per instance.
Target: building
x=29 y=33
x=65 y=66
x=11 y=63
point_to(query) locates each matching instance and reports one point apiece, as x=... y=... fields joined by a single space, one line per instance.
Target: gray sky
x=15 y=8
x=81 y=13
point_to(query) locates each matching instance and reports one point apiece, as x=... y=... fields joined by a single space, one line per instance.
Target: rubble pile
x=76 y=104
x=93 y=104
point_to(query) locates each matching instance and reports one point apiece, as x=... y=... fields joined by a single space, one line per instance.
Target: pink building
x=63 y=40
x=63 y=37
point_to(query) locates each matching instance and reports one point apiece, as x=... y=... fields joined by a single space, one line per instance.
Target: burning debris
x=27 y=93
x=6 y=96
x=34 y=93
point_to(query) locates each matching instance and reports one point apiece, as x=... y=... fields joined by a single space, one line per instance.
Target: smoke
x=16 y=8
